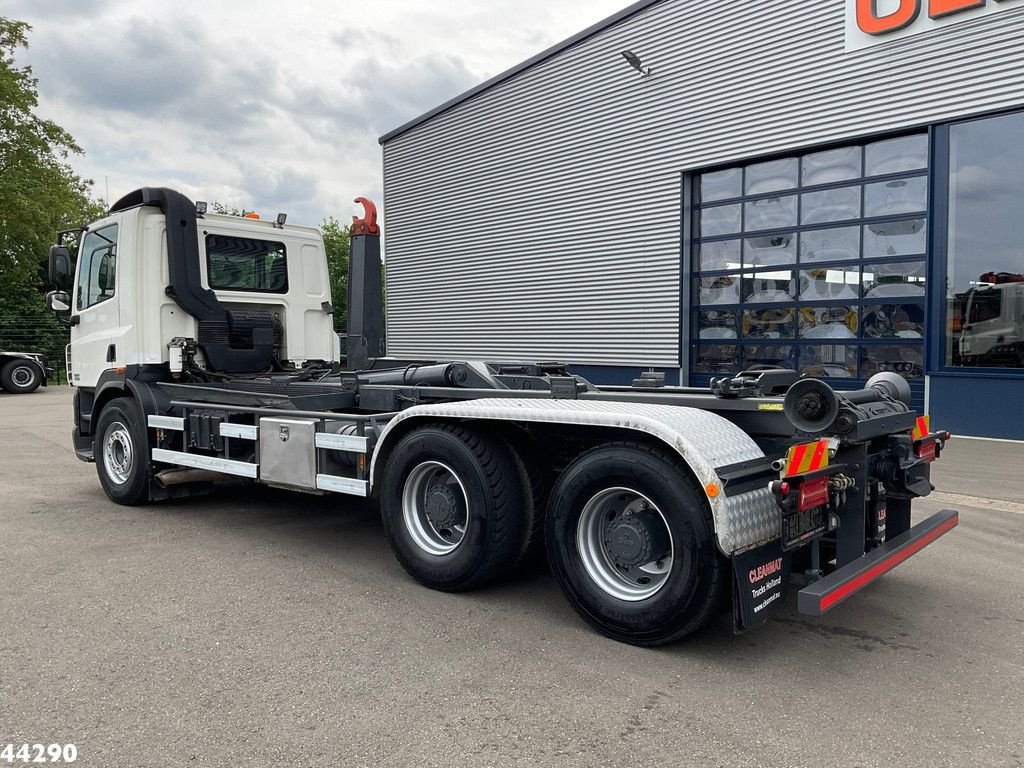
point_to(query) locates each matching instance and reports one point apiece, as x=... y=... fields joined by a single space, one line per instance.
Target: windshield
x=985 y=305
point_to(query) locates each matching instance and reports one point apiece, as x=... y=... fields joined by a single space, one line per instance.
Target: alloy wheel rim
x=625 y=544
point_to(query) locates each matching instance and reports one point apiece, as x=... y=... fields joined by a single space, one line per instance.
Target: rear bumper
x=828 y=592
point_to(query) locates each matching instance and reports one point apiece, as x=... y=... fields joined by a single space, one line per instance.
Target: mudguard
x=702 y=439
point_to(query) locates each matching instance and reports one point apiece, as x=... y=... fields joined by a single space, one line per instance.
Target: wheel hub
x=441 y=507
x=22 y=376
x=636 y=538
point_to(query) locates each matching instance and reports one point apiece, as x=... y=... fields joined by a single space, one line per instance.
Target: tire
x=121 y=449
x=453 y=504
x=20 y=377
x=631 y=543
x=537 y=481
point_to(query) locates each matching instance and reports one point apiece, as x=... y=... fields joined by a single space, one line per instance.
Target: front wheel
x=121 y=450
x=631 y=542
x=21 y=377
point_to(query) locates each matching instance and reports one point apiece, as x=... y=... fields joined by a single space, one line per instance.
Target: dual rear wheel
x=628 y=534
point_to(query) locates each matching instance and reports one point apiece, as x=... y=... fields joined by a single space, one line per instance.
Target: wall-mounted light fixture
x=634 y=61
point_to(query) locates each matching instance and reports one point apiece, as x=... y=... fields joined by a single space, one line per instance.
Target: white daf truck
x=202 y=350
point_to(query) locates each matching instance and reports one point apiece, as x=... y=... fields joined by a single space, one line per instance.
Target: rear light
x=926 y=450
x=813 y=493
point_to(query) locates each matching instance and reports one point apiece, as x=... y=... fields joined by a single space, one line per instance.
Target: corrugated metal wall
x=541 y=218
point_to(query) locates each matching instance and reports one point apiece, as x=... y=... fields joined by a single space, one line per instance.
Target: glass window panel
x=763 y=287
x=770 y=354
x=717 y=358
x=721 y=185
x=909 y=153
x=721 y=254
x=830 y=283
x=716 y=324
x=97 y=272
x=830 y=205
x=769 y=323
x=830 y=166
x=242 y=264
x=984 y=291
x=884 y=281
x=893 y=321
x=895 y=238
x=904 y=359
x=828 y=322
x=720 y=220
x=724 y=289
x=770 y=213
x=829 y=361
x=830 y=244
x=769 y=250
x=772 y=176
x=888 y=198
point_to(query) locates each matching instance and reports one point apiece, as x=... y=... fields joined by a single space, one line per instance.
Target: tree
x=337 y=246
x=39 y=195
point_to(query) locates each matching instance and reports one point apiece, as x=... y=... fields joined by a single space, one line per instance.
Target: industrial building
x=834 y=186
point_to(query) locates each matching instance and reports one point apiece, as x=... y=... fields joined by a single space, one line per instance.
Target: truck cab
x=994 y=324
x=267 y=281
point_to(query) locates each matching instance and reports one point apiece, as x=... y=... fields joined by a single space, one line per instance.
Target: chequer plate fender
x=702 y=439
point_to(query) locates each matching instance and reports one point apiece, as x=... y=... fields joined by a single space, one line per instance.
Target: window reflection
x=985 y=281
x=717 y=358
x=769 y=354
x=889 y=280
x=895 y=155
x=718 y=254
x=830 y=283
x=770 y=250
x=772 y=176
x=716 y=324
x=828 y=322
x=721 y=185
x=770 y=213
x=770 y=323
x=830 y=205
x=904 y=359
x=830 y=166
x=720 y=220
x=840 y=244
x=895 y=238
x=893 y=321
x=763 y=287
x=724 y=289
x=888 y=198
x=836 y=361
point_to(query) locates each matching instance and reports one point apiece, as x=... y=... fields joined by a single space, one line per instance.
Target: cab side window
x=97 y=269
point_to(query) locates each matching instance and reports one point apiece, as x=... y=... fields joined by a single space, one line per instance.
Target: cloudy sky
x=263 y=104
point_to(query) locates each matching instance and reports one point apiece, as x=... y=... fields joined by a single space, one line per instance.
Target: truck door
x=96 y=315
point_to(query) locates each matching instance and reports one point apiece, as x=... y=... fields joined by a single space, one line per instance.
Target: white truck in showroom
x=202 y=349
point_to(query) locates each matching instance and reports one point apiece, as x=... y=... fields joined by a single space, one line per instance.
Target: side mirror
x=58 y=301
x=61 y=273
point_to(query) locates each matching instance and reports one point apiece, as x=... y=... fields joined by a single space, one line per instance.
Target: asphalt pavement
x=262 y=628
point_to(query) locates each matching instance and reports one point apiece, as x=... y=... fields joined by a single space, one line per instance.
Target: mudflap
x=760 y=584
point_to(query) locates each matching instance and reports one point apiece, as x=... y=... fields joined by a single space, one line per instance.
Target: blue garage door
x=815 y=262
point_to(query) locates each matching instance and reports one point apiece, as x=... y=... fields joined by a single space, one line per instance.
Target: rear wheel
x=453 y=506
x=121 y=450
x=631 y=542
x=21 y=377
